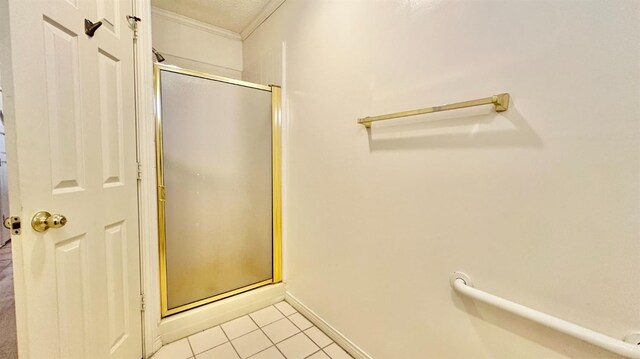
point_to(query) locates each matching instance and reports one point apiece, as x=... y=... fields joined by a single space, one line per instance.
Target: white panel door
x=69 y=110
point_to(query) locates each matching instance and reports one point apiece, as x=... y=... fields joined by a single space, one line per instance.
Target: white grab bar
x=461 y=283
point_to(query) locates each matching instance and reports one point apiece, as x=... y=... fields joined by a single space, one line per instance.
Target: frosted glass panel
x=217 y=173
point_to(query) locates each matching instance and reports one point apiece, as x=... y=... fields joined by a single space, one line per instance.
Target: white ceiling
x=232 y=15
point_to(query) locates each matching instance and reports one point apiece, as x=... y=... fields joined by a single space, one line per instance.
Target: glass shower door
x=215 y=177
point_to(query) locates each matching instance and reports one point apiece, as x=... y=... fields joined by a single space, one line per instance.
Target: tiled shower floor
x=275 y=332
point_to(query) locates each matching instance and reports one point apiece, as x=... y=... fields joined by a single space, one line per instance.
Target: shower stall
x=219 y=197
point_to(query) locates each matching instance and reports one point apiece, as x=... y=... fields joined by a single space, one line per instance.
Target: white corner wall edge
x=198 y=25
x=182 y=325
x=327 y=328
x=271 y=7
x=148 y=224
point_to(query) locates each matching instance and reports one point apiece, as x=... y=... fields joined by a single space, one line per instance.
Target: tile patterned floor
x=274 y=332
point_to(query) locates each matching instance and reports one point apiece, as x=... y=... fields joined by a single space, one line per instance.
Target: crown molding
x=198 y=25
x=269 y=9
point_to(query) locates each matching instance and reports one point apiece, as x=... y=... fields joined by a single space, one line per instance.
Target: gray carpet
x=8 y=343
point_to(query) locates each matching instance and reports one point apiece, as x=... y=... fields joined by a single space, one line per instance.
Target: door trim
x=276 y=165
x=143 y=59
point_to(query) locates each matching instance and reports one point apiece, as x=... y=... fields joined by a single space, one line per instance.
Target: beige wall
x=539 y=204
x=194 y=45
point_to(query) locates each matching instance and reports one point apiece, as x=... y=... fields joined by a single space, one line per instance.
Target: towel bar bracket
x=501 y=102
x=459 y=275
x=633 y=338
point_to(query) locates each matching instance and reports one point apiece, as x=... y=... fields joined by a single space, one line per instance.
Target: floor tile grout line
x=308 y=337
x=255 y=330
x=190 y=347
x=213 y=347
x=229 y=339
x=314 y=353
x=307 y=319
x=340 y=347
x=249 y=315
x=251 y=331
x=291 y=336
x=312 y=326
x=298 y=331
x=265 y=334
x=265 y=349
x=234 y=347
x=331 y=342
x=223 y=332
x=301 y=330
x=282 y=311
x=244 y=335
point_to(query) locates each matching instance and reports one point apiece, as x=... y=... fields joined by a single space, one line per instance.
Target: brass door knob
x=44 y=220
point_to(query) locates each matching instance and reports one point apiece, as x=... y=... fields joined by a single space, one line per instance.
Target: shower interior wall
x=194 y=45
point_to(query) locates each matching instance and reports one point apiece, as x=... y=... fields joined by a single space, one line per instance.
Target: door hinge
x=133 y=22
x=139 y=170
x=13 y=224
x=143 y=306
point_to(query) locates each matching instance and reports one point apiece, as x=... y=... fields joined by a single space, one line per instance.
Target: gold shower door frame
x=276 y=164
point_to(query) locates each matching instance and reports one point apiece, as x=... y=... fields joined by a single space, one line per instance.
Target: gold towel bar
x=500 y=102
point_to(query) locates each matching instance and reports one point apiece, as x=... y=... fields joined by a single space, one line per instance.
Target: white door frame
x=148 y=219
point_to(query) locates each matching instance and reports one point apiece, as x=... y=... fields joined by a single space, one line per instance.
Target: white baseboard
x=195 y=320
x=332 y=332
